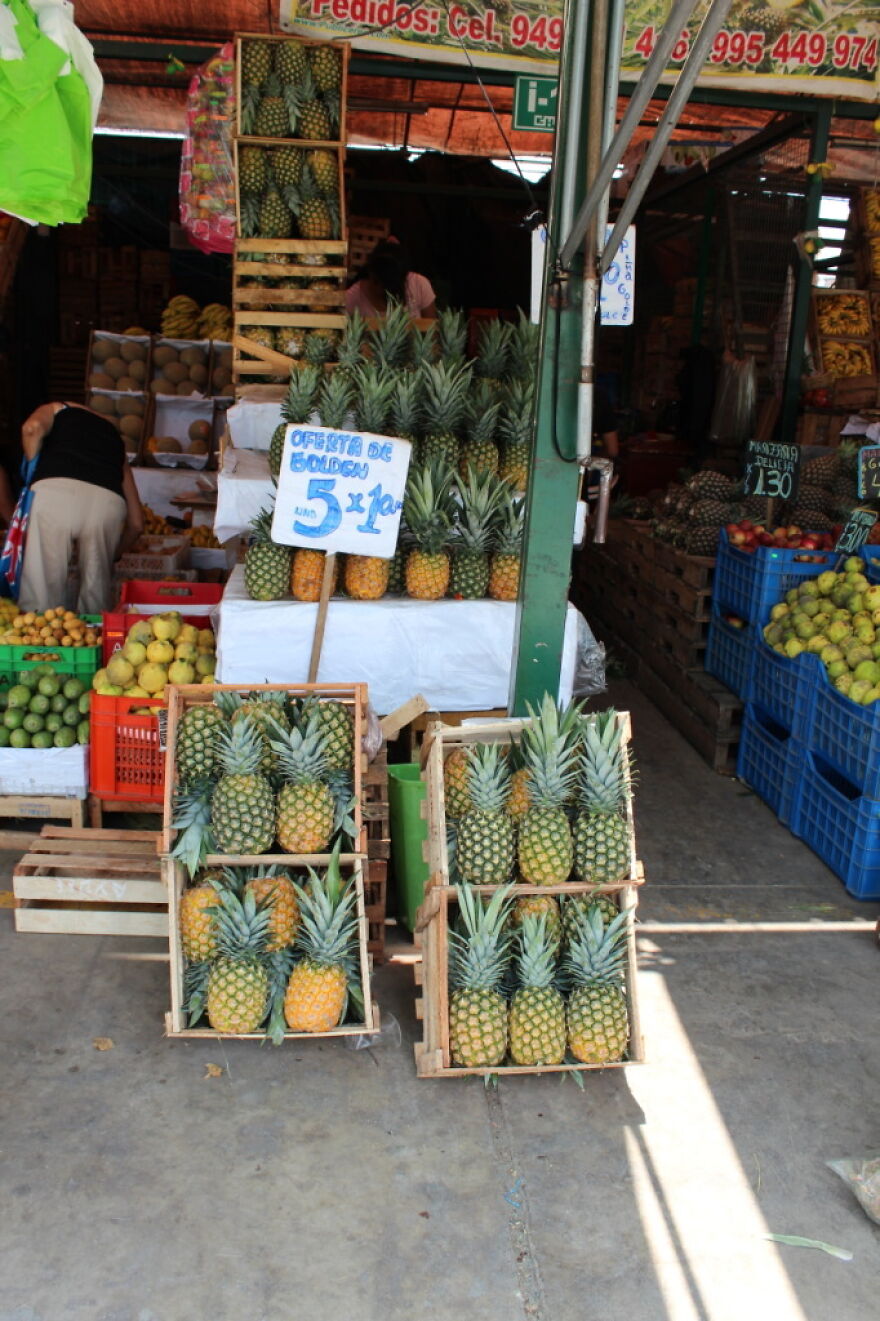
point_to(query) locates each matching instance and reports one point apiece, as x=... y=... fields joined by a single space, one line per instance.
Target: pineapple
x=545 y=850
x=451 y=336
x=266 y=564
x=444 y=396
x=504 y=564
x=389 y=338
x=276 y=892
x=405 y=412
x=478 y=961
x=493 y=350
x=537 y=1010
x=291 y=341
x=576 y=906
x=351 y=347
x=314 y=114
x=515 y=432
x=596 y=1015
x=238 y=983
x=710 y=485
x=325 y=977
x=601 y=834
x=366 y=576
x=296 y=409
x=317 y=216
x=486 y=834
x=242 y=804
x=252 y=174
x=196 y=917
x=422 y=346
x=261 y=335
x=429 y=509
x=192 y=822
x=482 y=499
x=307 y=574
x=520 y=799
x=337 y=726
x=256 y=62
x=291 y=61
x=272 y=119
x=544 y=906
x=287 y=169
x=196 y=737
x=335 y=399
x=326 y=62
x=275 y=220
x=522 y=357
x=479 y=453
x=266 y=714
x=324 y=166
x=455 y=783
x=306 y=814
x=320 y=346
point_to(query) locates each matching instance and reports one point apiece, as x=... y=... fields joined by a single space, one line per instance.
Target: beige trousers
x=65 y=511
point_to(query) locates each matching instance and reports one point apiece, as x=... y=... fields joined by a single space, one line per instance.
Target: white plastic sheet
x=61 y=772
x=457 y=654
x=244 y=487
x=251 y=424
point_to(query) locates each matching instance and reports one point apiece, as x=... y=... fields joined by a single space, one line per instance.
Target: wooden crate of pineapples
x=263 y=842
x=291 y=87
x=533 y=887
x=470 y=425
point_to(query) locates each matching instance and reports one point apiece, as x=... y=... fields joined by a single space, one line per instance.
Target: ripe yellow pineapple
x=238 y=983
x=504 y=563
x=455 y=783
x=196 y=917
x=278 y=893
x=306 y=809
x=307 y=573
x=326 y=976
x=596 y=1015
x=428 y=508
x=545 y=849
x=537 y=1010
x=478 y=960
x=366 y=577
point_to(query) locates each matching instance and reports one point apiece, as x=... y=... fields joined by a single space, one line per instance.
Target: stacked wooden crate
x=651 y=603
x=290 y=257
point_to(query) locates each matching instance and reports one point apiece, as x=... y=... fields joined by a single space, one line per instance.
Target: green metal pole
x=552 y=493
x=791 y=389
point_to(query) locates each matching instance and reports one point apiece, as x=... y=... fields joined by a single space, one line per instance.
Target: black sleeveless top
x=84 y=446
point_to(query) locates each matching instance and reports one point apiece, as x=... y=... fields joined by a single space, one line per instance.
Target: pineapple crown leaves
x=536 y=957
x=279 y=966
x=390 y=338
x=493 y=348
x=236 y=878
x=550 y=752
x=228 y=703
x=344 y=801
x=510 y=527
x=299 y=402
x=517 y=411
x=423 y=346
x=327 y=933
x=353 y=341
x=192 y=818
x=301 y=751
x=406 y=414
x=523 y=355
x=606 y=767
x=195 y=990
x=240 y=748
x=335 y=400
x=482 y=497
x=429 y=506
x=262 y=527
x=480 y=953
x=374 y=387
x=250 y=100
x=488 y=777
x=242 y=926
x=451 y=334
x=444 y=396
x=596 y=953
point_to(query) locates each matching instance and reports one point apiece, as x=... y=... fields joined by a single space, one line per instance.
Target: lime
x=43 y=740
x=39 y=703
x=5 y=736
x=29 y=678
x=33 y=723
x=49 y=685
x=45 y=669
x=85 y=704
x=19 y=738
x=73 y=688
x=65 y=738
x=57 y=703
x=19 y=695
x=13 y=718
x=70 y=715
x=83 y=731
x=54 y=722
x=4 y=698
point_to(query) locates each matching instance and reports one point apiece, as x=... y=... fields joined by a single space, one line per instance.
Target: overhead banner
x=818 y=47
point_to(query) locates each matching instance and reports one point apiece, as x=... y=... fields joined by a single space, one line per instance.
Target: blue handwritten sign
x=340 y=490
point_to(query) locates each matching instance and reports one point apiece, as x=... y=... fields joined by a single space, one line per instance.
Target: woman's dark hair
x=389 y=264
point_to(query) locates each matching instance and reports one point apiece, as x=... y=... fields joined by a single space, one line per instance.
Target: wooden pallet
x=98 y=806
x=176 y=1025
x=39 y=808
x=378 y=832
x=716 y=744
x=84 y=882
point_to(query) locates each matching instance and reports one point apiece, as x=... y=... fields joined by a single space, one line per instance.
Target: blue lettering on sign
x=355 y=502
x=321 y=488
x=329 y=464
x=376 y=451
x=381 y=505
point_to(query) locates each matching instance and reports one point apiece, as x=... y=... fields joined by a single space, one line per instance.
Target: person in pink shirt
x=387 y=275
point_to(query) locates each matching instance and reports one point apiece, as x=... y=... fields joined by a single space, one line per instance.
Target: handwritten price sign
x=772 y=469
x=869 y=473
x=856 y=531
x=340 y=491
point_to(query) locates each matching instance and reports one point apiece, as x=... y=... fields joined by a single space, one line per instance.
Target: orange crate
x=141 y=598
x=127 y=757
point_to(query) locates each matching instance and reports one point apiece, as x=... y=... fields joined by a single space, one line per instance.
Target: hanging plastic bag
x=207 y=175
x=12 y=555
x=733 y=417
x=589 y=675
x=862 y=1177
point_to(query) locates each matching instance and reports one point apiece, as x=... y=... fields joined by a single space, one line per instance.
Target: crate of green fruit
x=45 y=709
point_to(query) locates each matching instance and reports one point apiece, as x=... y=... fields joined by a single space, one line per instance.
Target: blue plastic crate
x=730 y=655
x=769 y=760
x=871 y=556
x=785 y=688
x=751 y=583
x=846 y=735
x=839 y=824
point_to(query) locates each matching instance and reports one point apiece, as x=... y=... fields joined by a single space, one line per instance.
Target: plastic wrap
x=589 y=672
x=862 y=1177
x=733 y=417
x=207 y=173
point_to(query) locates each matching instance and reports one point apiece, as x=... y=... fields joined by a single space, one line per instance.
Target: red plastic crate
x=140 y=599
x=127 y=759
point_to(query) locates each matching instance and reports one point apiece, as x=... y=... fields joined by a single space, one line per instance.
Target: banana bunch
x=874 y=249
x=180 y=320
x=871 y=198
x=844 y=314
x=842 y=359
x=215 y=322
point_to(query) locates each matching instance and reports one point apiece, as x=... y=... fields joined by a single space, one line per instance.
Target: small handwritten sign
x=855 y=531
x=340 y=491
x=869 y=472
x=772 y=469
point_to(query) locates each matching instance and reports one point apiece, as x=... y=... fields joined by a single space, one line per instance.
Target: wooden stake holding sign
x=339 y=491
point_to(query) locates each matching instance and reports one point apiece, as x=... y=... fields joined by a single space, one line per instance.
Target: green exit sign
x=534 y=103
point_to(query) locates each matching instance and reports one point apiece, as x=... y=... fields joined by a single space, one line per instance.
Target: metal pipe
x=678 y=99
x=574 y=99
x=644 y=90
x=606 y=473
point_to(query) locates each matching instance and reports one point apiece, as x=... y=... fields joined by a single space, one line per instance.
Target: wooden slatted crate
x=433 y=1055
x=91 y=882
x=37 y=808
x=310 y=43
x=378 y=833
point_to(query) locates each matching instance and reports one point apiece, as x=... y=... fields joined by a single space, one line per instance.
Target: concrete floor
x=325 y=1182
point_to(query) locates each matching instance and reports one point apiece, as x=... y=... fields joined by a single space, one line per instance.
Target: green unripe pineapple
x=478 y=960
x=601 y=835
x=242 y=804
x=596 y=1015
x=537 y=1010
x=266 y=564
x=238 y=982
x=486 y=834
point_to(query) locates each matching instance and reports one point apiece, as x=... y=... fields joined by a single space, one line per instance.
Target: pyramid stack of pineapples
x=535 y=976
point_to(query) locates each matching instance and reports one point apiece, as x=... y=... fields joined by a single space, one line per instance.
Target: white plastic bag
x=863 y=1178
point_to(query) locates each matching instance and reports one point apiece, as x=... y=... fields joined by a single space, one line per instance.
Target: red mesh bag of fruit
x=207 y=174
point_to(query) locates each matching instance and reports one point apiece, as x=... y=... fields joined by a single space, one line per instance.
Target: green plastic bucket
x=406 y=793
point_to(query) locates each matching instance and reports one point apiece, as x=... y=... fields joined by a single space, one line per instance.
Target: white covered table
x=457 y=654
x=244 y=487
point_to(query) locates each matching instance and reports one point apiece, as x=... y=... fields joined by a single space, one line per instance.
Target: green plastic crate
x=73 y=662
x=406 y=793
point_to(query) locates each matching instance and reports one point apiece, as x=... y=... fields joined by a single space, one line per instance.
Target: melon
x=176 y=372
x=114 y=367
x=126 y=383
x=193 y=356
x=130 y=426
x=187 y=387
x=137 y=371
x=199 y=431
x=199 y=447
x=167 y=445
x=102 y=404
x=198 y=373
x=132 y=351
x=102 y=349
x=101 y=381
x=130 y=406
x=163 y=355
